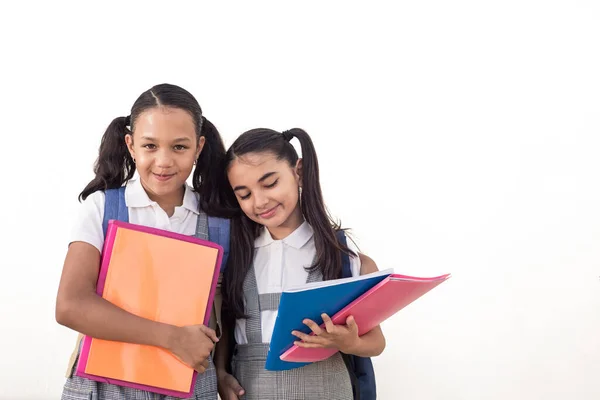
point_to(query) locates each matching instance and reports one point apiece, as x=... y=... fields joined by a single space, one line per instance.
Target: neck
x=290 y=225
x=169 y=201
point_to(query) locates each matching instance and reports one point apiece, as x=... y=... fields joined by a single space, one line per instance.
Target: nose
x=260 y=200
x=164 y=159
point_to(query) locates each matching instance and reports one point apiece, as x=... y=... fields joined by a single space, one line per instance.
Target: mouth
x=163 y=177
x=269 y=213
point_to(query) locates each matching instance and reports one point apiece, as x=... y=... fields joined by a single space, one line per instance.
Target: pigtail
x=114 y=165
x=241 y=254
x=328 y=258
x=209 y=178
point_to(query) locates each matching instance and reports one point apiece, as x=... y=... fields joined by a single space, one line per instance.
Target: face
x=164 y=147
x=267 y=189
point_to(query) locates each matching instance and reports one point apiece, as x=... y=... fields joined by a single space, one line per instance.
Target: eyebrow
x=262 y=178
x=178 y=140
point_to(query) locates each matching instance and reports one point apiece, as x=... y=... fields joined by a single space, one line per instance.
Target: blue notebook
x=310 y=301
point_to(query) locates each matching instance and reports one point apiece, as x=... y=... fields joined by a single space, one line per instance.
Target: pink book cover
x=369 y=310
x=159 y=275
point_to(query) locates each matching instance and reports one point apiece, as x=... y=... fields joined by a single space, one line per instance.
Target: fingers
x=200 y=368
x=307 y=338
x=235 y=385
x=308 y=345
x=329 y=326
x=209 y=332
x=351 y=324
x=313 y=326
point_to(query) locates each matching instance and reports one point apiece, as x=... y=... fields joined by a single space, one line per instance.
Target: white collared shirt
x=279 y=264
x=142 y=211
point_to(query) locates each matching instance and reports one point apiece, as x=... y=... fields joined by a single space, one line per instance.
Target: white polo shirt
x=142 y=211
x=279 y=264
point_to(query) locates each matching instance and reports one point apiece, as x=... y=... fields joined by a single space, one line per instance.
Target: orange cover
x=161 y=276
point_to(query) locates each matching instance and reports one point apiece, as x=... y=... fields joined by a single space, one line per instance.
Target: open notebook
x=370 y=309
x=370 y=299
x=158 y=275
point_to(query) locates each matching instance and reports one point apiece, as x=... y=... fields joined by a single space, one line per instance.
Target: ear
x=129 y=143
x=298 y=172
x=200 y=146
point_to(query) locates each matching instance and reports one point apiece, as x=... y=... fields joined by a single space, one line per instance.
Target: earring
x=133 y=159
x=300 y=190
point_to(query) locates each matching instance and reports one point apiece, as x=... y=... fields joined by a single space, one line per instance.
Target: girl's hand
x=342 y=337
x=229 y=387
x=193 y=345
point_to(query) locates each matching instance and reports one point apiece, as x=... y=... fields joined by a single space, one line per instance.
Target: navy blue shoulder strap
x=346 y=270
x=361 y=369
x=218 y=232
x=114 y=207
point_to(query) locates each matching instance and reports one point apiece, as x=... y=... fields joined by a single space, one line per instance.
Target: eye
x=272 y=184
x=180 y=147
x=245 y=197
x=149 y=146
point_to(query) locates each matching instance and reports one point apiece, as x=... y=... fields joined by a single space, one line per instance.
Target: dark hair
x=244 y=231
x=114 y=165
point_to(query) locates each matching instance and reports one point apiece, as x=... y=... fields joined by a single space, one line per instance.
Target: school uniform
x=279 y=264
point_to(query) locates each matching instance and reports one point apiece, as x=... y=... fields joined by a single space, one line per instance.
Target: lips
x=269 y=213
x=163 y=177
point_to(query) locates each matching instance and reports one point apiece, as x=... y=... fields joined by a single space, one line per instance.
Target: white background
x=455 y=137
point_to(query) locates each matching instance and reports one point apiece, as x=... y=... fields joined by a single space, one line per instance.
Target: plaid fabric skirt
x=77 y=388
x=327 y=379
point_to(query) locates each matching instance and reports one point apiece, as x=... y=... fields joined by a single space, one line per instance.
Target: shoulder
x=367 y=264
x=361 y=263
x=87 y=226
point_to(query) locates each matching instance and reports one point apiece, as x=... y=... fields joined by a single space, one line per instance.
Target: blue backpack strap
x=346 y=270
x=361 y=369
x=114 y=207
x=218 y=232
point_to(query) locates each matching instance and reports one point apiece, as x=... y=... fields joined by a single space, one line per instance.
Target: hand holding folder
x=161 y=276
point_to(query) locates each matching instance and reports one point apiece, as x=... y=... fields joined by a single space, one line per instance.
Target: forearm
x=370 y=344
x=225 y=346
x=96 y=317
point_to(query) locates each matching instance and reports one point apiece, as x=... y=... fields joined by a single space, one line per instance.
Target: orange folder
x=161 y=276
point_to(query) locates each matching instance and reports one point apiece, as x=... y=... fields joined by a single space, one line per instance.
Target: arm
x=372 y=343
x=80 y=308
x=229 y=387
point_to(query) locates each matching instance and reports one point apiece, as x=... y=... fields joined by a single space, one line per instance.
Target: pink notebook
x=375 y=306
x=158 y=275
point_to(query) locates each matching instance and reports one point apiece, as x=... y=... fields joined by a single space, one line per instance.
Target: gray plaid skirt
x=77 y=388
x=327 y=379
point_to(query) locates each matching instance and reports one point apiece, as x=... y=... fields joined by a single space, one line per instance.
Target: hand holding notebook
x=192 y=343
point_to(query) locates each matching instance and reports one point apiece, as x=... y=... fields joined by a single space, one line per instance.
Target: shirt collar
x=136 y=196
x=296 y=239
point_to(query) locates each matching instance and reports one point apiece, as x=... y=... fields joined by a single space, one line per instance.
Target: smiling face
x=164 y=146
x=267 y=190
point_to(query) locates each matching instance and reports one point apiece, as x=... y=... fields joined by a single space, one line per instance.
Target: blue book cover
x=310 y=301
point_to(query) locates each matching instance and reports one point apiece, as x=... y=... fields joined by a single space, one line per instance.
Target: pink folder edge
x=320 y=354
x=108 y=246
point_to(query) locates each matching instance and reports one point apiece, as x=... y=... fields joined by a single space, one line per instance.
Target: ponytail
x=209 y=172
x=328 y=258
x=114 y=165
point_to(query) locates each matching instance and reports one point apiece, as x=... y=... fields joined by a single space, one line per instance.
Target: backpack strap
x=362 y=374
x=114 y=207
x=218 y=232
x=346 y=270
